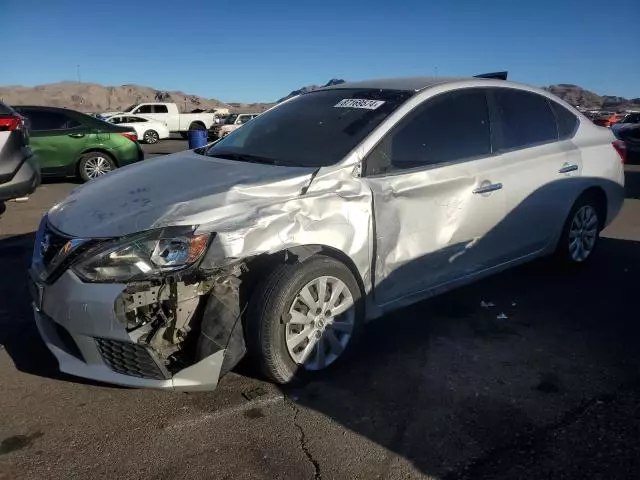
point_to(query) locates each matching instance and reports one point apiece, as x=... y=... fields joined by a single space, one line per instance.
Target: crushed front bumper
x=78 y=323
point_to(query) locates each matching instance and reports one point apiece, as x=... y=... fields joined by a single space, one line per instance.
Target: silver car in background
x=331 y=209
x=19 y=170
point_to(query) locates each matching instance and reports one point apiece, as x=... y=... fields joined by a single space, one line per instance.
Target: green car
x=71 y=144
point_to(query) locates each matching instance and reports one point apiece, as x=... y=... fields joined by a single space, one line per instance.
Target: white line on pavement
x=227 y=412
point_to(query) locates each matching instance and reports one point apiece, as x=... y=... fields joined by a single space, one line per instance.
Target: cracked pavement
x=303 y=442
x=444 y=389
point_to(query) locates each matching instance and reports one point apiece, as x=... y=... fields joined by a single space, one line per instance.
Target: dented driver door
x=433 y=227
x=438 y=197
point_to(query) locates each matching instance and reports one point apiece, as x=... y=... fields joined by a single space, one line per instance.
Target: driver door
x=437 y=194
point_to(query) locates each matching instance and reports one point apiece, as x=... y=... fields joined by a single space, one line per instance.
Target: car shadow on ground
x=448 y=382
x=455 y=387
x=480 y=374
x=18 y=333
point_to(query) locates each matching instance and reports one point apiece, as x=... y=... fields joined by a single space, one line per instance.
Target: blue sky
x=248 y=50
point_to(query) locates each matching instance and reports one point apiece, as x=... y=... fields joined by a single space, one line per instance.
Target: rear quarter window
x=567 y=122
x=524 y=119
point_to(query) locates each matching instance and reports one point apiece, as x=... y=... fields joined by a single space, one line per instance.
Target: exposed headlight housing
x=142 y=255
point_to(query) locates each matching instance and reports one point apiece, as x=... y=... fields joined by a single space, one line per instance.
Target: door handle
x=487 y=187
x=566 y=168
x=76 y=135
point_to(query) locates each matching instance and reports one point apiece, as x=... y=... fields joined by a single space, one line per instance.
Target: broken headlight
x=142 y=255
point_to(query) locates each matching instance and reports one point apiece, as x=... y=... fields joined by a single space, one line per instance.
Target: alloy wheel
x=151 y=137
x=97 y=166
x=583 y=233
x=322 y=319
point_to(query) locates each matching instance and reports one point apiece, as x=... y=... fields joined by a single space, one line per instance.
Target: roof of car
x=44 y=107
x=410 y=83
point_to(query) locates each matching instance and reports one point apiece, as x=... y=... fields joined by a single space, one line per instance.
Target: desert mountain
x=310 y=88
x=91 y=97
x=577 y=96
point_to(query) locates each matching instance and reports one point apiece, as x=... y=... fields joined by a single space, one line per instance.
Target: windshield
x=313 y=130
x=130 y=107
x=230 y=119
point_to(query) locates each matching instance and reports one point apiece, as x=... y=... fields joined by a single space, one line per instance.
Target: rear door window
x=567 y=122
x=449 y=128
x=524 y=119
x=49 y=120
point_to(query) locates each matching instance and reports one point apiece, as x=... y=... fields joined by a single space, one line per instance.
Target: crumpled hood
x=180 y=189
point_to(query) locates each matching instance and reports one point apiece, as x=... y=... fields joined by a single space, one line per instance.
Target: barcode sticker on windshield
x=359 y=103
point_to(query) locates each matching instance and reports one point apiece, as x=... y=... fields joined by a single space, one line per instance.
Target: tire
x=151 y=137
x=100 y=160
x=269 y=322
x=581 y=230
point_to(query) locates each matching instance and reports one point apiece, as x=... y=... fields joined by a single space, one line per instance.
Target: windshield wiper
x=243 y=157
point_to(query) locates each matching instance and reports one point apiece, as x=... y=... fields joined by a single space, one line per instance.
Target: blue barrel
x=197 y=138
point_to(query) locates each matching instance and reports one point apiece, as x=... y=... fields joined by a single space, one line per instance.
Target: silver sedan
x=331 y=209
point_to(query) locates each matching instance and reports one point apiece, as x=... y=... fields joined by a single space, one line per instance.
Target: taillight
x=10 y=123
x=621 y=148
x=133 y=136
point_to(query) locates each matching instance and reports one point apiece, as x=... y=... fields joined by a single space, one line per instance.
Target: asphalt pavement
x=443 y=389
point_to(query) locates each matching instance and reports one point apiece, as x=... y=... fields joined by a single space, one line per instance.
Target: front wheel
x=304 y=318
x=581 y=231
x=95 y=164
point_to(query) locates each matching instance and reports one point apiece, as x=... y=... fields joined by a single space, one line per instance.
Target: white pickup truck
x=169 y=114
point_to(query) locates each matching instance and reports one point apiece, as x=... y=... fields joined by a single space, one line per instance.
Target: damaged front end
x=183 y=319
x=162 y=307
x=138 y=310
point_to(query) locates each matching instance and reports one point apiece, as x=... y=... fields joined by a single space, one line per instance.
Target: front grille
x=129 y=359
x=51 y=243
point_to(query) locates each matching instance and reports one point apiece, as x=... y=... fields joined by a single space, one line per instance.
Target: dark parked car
x=71 y=144
x=607 y=119
x=19 y=171
x=633 y=117
x=628 y=130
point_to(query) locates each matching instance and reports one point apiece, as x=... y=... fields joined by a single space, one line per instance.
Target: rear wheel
x=197 y=126
x=304 y=318
x=95 y=164
x=151 y=137
x=581 y=231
